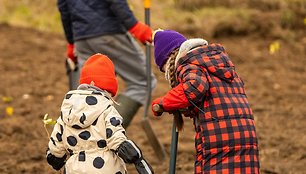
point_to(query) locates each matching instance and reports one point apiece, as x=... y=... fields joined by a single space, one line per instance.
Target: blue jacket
x=89 y=18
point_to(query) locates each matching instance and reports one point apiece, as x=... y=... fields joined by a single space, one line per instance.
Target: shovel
x=177 y=125
x=157 y=147
x=72 y=73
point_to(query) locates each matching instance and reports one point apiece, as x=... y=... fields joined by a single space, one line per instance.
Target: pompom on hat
x=99 y=71
x=165 y=41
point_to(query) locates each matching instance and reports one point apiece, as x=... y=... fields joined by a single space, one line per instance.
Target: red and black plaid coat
x=225 y=139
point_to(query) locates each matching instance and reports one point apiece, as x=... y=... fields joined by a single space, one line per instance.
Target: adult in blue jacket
x=107 y=27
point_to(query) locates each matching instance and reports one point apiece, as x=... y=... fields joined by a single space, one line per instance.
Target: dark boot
x=127 y=108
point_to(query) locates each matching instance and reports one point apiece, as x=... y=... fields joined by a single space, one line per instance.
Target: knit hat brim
x=106 y=83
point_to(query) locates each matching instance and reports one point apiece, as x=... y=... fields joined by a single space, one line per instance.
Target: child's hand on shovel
x=157 y=109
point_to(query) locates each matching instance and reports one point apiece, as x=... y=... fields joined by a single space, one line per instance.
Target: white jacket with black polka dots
x=90 y=130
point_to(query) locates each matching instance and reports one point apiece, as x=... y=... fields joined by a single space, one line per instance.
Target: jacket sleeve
x=56 y=144
x=66 y=20
x=174 y=99
x=192 y=87
x=121 y=9
x=194 y=82
x=131 y=153
x=115 y=133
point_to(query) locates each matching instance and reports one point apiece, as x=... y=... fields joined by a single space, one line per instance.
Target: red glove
x=142 y=32
x=70 y=53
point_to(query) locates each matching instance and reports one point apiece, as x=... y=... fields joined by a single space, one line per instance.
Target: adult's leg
x=130 y=65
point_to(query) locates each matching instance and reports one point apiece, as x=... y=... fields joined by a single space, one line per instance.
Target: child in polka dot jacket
x=89 y=129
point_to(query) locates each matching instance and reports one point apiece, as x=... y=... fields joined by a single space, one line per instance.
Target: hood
x=215 y=60
x=81 y=108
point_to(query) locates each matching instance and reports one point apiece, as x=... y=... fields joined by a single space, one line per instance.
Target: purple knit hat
x=165 y=41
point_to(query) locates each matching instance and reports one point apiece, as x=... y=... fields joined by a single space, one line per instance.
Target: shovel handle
x=147 y=4
x=158 y=108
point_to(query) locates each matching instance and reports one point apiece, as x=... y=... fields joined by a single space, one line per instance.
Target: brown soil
x=33 y=74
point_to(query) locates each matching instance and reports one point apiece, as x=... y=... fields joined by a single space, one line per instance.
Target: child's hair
x=170 y=72
x=170 y=68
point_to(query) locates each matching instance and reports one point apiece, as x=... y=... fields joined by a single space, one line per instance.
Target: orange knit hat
x=100 y=70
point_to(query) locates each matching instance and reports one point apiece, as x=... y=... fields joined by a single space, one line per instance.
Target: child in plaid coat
x=207 y=84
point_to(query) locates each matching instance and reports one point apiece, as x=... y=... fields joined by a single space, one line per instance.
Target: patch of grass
x=207 y=21
x=208 y=18
x=288 y=18
x=42 y=15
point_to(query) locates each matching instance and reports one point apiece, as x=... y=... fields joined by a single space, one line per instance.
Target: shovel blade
x=157 y=147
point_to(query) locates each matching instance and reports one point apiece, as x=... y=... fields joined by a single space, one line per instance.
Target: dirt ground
x=33 y=75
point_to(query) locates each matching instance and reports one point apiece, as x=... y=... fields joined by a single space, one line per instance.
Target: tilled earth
x=32 y=74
